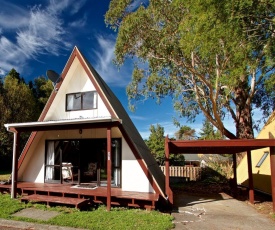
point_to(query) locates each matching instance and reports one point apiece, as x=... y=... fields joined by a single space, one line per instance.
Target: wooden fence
x=189 y=173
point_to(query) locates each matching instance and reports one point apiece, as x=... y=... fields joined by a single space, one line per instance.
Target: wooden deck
x=64 y=194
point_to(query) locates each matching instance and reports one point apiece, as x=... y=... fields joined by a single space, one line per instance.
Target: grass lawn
x=97 y=218
x=4 y=175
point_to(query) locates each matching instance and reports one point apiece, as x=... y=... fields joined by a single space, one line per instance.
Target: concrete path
x=22 y=225
x=220 y=212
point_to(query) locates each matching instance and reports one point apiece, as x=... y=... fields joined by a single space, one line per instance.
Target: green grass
x=99 y=218
x=4 y=175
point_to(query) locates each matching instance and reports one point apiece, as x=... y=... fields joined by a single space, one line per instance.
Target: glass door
x=84 y=159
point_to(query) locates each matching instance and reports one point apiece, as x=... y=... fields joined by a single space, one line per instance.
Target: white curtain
x=70 y=102
x=50 y=161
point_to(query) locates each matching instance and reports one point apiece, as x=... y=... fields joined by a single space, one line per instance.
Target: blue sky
x=37 y=35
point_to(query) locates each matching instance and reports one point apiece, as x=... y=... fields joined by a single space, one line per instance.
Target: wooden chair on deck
x=67 y=171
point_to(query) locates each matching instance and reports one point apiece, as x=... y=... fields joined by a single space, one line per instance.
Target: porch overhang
x=65 y=124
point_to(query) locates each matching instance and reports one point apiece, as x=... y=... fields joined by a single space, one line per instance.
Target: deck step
x=77 y=202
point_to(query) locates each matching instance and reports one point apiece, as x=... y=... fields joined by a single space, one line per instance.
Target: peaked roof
x=117 y=111
x=131 y=134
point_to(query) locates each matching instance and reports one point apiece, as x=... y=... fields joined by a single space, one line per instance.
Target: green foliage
x=19 y=102
x=213 y=57
x=208 y=132
x=117 y=218
x=156 y=143
x=185 y=133
x=42 y=89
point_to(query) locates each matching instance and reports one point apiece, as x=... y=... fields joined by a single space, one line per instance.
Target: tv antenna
x=54 y=77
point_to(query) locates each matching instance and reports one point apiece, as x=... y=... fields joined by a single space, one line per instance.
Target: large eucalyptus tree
x=213 y=57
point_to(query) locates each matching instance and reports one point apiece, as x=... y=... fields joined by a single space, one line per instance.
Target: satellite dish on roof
x=54 y=77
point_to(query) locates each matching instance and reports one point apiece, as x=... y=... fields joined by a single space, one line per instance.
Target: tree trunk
x=243 y=120
x=244 y=128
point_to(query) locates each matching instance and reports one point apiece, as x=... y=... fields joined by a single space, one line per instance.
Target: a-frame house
x=84 y=137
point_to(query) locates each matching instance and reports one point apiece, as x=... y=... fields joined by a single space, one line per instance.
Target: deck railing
x=190 y=173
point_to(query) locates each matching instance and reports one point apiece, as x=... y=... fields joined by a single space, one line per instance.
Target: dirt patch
x=263 y=203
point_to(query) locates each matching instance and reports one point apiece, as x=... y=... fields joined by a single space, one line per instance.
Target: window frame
x=82 y=106
x=261 y=161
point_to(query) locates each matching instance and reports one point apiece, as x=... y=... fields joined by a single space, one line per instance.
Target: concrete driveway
x=219 y=211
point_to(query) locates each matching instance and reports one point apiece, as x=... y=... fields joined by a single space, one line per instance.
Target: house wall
x=76 y=81
x=133 y=177
x=262 y=174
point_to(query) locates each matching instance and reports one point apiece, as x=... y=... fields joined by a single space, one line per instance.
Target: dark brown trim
x=167 y=176
x=16 y=143
x=234 y=183
x=272 y=169
x=250 y=177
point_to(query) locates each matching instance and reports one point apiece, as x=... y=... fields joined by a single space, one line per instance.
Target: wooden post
x=250 y=178
x=272 y=169
x=167 y=181
x=109 y=168
x=234 y=184
x=16 y=137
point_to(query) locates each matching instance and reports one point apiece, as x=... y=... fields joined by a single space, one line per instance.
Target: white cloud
x=12 y=16
x=2 y=72
x=106 y=67
x=11 y=55
x=79 y=23
x=58 y=6
x=139 y=118
x=44 y=34
x=34 y=32
x=77 y=5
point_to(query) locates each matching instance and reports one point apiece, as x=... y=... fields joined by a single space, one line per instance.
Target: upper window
x=81 y=101
x=262 y=159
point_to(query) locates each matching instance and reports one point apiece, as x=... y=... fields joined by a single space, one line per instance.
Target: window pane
x=70 y=102
x=77 y=101
x=73 y=101
x=89 y=100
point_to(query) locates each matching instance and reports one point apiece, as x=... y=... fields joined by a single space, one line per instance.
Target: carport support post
x=16 y=137
x=250 y=178
x=167 y=181
x=272 y=169
x=234 y=184
x=109 y=168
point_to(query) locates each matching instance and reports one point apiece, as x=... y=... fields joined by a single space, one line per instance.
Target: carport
x=222 y=147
